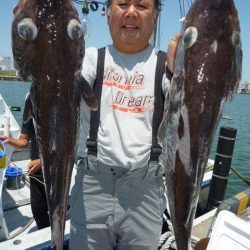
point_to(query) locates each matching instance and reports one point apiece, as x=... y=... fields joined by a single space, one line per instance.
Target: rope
x=240 y=176
x=167 y=239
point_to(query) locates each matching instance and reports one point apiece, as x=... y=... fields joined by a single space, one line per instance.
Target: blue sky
x=99 y=35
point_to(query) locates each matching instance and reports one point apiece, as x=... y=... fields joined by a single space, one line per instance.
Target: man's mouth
x=130 y=26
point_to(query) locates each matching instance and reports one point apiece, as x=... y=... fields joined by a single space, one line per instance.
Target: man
x=37 y=189
x=117 y=201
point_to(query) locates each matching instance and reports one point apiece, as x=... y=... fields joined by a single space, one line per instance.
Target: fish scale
x=48 y=46
x=207 y=73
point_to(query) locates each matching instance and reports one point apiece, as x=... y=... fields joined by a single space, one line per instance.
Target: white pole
x=6 y=125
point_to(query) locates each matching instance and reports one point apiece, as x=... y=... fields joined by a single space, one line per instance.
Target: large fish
x=48 y=45
x=207 y=73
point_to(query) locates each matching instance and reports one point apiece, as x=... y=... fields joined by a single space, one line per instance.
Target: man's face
x=131 y=23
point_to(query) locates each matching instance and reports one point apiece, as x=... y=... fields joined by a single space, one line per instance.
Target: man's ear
x=108 y=14
x=155 y=17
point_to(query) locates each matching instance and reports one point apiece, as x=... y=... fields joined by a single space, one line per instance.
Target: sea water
x=237 y=113
x=14 y=94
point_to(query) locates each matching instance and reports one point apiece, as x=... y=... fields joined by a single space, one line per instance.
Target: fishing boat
x=226 y=117
x=18 y=229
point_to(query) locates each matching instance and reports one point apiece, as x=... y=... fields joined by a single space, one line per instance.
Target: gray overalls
x=112 y=208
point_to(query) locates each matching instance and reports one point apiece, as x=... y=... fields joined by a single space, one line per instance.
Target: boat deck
x=204 y=224
x=21 y=228
x=16 y=204
x=22 y=231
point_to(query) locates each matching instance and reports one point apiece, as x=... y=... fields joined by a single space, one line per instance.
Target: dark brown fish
x=48 y=45
x=207 y=73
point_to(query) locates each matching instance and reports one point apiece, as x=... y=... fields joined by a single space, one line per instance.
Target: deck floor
x=19 y=220
x=16 y=204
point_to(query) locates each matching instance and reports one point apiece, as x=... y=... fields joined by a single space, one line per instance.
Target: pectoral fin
x=87 y=93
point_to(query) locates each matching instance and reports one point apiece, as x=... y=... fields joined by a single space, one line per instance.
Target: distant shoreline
x=9 y=78
x=9 y=75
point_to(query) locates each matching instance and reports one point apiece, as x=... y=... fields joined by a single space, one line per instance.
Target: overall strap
x=95 y=115
x=159 y=103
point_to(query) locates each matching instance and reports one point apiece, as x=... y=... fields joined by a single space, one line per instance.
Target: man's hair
x=158 y=4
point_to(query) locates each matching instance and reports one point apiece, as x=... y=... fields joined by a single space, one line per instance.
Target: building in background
x=5 y=63
x=244 y=87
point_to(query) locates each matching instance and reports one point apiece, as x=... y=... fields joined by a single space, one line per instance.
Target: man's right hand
x=5 y=139
x=171 y=52
x=21 y=142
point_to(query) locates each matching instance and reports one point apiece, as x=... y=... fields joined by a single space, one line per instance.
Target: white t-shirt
x=127 y=103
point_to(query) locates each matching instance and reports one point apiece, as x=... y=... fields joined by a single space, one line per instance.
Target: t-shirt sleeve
x=89 y=65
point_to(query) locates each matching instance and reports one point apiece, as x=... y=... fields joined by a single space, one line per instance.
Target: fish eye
x=27 y=29
x=236 y=39
x=190 y=36
x=74 y=29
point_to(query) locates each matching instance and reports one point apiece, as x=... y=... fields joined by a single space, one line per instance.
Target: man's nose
x=131 y=10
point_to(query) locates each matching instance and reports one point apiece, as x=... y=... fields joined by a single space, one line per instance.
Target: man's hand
x=202 y=244
x=21 y=142
x=171 y=52
x=33 y=166
x=5 y=139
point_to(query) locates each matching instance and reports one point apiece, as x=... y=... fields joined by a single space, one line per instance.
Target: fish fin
x=87 y=93
x=162 y=127
x=18 y=7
